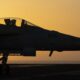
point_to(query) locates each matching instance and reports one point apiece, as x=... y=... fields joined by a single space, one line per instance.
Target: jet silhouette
x=24 y=38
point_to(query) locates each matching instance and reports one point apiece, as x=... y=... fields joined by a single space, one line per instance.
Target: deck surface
x=42 y=72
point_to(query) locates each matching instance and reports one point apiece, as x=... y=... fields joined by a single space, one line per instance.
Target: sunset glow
x=59 y=15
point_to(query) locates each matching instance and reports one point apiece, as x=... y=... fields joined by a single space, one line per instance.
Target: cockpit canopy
x=18 y=22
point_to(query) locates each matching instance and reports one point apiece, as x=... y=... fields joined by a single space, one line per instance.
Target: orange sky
x=60 y=15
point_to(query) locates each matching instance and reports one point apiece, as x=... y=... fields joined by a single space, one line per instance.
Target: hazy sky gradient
x=60 y=15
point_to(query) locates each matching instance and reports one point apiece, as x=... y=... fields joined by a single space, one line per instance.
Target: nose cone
x=60 y=42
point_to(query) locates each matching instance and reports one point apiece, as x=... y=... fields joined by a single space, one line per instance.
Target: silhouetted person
x=23 y=24
x=10 y=22
x=7 y=21
x=13 y=22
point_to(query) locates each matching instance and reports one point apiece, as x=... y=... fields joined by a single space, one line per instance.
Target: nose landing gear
x=4 y=66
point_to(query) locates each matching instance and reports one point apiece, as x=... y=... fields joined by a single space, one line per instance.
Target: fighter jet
x=19 y=36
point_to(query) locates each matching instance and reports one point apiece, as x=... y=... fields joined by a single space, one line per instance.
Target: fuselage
x=16 y=39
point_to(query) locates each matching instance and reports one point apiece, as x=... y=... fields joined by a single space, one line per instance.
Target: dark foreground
x=42 y=72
